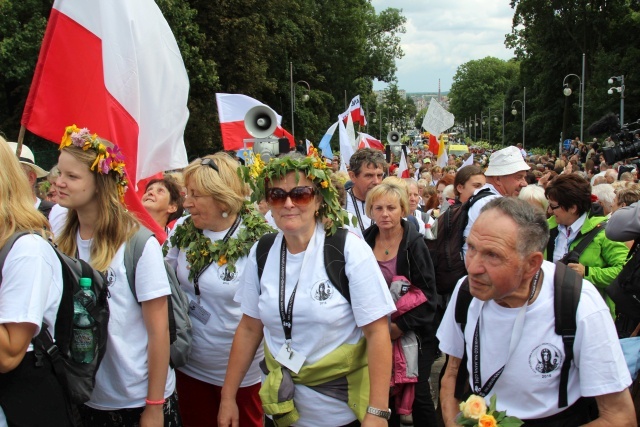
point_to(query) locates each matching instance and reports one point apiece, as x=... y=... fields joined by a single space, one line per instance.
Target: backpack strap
x=567 y=288
x=4 y=252
x=262 y=251
x=551 y=243
x=463 y=301
x=132 y=253
x=588 y=238
x=335 y=263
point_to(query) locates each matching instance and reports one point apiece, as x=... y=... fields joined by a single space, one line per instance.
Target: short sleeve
x=449 y=333
x=248 y=293
x=151 y=276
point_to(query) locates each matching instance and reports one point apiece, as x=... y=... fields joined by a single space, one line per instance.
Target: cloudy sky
x=443 y=34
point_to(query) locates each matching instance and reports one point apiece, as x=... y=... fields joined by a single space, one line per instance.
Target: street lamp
x=375 y=118
x=620 y=90
x=524 y=109
x=305 y=98
x=567 y=91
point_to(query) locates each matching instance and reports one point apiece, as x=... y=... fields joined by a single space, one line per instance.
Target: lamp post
x=375 y=118
x=620 y=90
x=515 y=112
x=305 y=98
x=567 y=92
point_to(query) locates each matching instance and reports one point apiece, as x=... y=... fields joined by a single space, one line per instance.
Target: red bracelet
x=154 y=402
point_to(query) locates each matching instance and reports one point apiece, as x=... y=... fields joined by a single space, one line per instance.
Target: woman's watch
x=379 y=412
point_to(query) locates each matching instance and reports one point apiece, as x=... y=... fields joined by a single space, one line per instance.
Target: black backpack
x=624 y=290
x=78 y=379
x=446 y=249
x=334 y=261
x=567 y=289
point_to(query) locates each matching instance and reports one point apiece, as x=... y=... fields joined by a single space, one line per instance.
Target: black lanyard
x=355 y=206
x=286 y=316
x=225 y=239
x=478 y=388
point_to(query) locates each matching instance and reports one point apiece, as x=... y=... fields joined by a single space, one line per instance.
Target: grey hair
x=533 y=229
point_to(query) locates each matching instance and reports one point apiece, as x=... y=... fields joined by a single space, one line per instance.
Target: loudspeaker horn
x=260 y=121
x=393 y=137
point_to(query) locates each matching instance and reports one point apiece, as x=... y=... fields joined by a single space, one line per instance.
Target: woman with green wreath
x=208 y=250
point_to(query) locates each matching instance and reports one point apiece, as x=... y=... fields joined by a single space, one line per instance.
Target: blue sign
x=566 y=144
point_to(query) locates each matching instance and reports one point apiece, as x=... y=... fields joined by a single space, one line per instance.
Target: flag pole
x=20 y=139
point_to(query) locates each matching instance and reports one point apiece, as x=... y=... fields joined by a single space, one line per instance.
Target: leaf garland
x=201 y=251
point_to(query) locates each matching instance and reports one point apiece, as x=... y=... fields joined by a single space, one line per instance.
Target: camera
x=627 y=145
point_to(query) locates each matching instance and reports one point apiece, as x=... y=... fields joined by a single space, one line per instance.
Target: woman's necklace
x=393 y=242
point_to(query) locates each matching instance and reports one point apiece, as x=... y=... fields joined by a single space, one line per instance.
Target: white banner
x=437 y=119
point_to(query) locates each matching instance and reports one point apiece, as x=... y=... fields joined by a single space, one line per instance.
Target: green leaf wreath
x=201 y=251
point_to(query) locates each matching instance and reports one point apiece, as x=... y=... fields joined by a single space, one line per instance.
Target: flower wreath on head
x=108 y=158
x=259 y=174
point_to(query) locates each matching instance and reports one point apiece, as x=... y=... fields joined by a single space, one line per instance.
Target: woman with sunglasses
x=134 y=384
x=327 y=360
x=208 y=250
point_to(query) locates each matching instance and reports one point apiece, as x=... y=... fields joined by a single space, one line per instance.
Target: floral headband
x=108 y=158
x=259 y=174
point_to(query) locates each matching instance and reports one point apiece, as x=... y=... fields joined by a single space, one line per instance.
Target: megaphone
x=260 y=121
x=393 y=137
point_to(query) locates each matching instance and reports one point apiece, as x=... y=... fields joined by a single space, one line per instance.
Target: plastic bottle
x=83 y=341
x=428 y=233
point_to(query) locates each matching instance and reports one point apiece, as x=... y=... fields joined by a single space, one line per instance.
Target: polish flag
x=434 y=145
x=114 y=67
x=368 y=141
x=356 y=111
x=232 y=108
x=403 y=168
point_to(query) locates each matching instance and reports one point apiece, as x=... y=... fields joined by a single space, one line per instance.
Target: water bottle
x=428 y=233
x=83 y=340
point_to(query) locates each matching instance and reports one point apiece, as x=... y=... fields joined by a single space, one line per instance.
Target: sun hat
x=427 y=160
x=506 y=162
x=26 y=158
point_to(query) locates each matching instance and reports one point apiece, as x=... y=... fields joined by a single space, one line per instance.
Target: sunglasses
x=209 y=162
x=300 y=196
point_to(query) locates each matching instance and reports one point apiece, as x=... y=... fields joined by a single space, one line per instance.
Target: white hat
x=506 y=162
x=26 y=158
x=416 y=165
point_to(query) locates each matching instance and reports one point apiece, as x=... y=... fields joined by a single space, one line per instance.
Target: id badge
x=290 y=358
x=198 y=312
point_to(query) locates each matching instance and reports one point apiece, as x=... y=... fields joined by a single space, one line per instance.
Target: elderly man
x=510 y=342
x=505 y=178
x=366 y=170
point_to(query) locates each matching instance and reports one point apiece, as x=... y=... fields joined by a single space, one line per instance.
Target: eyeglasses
x=553 y=208
x=210 y=163
x=300 y=196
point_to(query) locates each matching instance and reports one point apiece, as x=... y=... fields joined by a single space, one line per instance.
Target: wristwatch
x=379 y=412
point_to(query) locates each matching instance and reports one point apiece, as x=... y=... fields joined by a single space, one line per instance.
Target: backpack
x=334 y=261
x=573 y=256
x=78 y=379
x=567 y=289
x=446 y=249
x=624 y=290
x=179 y=320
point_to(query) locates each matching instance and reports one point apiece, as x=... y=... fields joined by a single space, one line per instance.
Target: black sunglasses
x=210 y=163
x=300 y=196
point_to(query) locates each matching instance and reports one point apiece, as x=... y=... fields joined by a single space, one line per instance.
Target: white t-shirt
x=31 y=287
x=528 y=388
x=474 y=212
x=212 y=342
x=57 y=218
x=351 y=208
x=122 y=378
x=322 y=318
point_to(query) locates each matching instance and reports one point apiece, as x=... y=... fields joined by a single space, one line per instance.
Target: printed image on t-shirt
x=110 y=275
x=545 y=359
x=322 y=291
x=225 y=275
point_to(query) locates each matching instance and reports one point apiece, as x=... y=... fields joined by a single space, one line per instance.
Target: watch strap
x=386 y=414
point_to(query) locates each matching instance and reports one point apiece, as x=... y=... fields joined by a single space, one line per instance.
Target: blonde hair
x=224 y=185
x=115 y=225
x=16 y=199
x=393 y=186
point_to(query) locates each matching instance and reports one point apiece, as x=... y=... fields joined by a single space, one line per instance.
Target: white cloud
x=444 y=34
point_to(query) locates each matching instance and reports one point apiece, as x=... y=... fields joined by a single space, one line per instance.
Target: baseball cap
x=506 y=162
x=26 y=158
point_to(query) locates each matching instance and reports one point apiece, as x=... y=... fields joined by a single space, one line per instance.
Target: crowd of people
x=312 y=291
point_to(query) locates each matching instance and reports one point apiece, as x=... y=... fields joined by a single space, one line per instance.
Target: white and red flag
x=355 y=111
x=403 y=167
x=231 y=111
x=114 y=67
x=368 y=141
